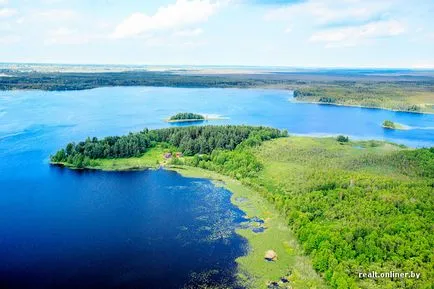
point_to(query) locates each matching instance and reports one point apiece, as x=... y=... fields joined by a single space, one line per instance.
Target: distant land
x=393 y=89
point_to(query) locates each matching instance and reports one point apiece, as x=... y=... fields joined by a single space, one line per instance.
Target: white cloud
x=168 y=42
x=67 y=36
x=49 y=2
x=7 y=12
x=4 y=2
x=189 y=32
x=340 y=23
x=62 y=31
x=174 y=16
x=354 y=35
x=55 y=15
x=9 y=39
x=330 y=11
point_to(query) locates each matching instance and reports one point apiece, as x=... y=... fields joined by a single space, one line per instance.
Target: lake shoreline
x=253 y=270
x=264 y=87
x=194 y=120
x=104 y=169
x=361 y=106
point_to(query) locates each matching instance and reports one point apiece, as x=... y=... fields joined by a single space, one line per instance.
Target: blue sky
x=312 y=33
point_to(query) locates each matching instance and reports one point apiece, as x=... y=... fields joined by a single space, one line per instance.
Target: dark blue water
x=150 y=229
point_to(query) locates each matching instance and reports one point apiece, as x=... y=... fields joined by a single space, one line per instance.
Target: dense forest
x=409 y=96
x=81 y=80
x=352 y=210
x=189 y=141
x=186 y=116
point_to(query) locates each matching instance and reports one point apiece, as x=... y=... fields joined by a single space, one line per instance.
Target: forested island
x=393 y=125
x=186 y=117
x=407 y=90
x=354 y=206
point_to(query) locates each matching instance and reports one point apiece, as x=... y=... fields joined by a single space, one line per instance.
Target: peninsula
x=314 y=185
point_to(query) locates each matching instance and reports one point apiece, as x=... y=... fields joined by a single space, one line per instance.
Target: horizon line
x=220 y=66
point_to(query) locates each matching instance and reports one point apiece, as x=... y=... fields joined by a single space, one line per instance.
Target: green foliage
x=353 y=210
x=186 y=116
x=389 y=124
x=403 y=96
x=342 y=139
x=84 y=80
x=327 y=99
x=188 y=140
x=238 y=163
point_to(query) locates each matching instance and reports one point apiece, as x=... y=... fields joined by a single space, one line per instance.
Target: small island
x=388 y=124
x=193 y=117
x=186 y=117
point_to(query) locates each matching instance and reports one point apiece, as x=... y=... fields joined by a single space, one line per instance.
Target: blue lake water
x=150 y=229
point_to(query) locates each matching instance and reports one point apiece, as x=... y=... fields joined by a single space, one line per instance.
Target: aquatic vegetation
x=255 y=224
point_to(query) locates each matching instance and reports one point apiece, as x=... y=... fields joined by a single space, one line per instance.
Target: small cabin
x=179 y=155
x=167 y=155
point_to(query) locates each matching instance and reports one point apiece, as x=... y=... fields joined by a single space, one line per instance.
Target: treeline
x=186 y=116
x=188 y=140
x=80 y=80
x=238 y=163
x=403 y=96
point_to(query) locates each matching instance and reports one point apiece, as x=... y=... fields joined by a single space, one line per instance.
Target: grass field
x=288 y=160
x=254 y=271
x=153 y=158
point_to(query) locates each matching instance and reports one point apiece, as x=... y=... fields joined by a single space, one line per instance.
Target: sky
x=297 y=33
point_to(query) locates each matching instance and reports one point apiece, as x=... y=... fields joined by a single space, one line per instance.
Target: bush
x=342 y=139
